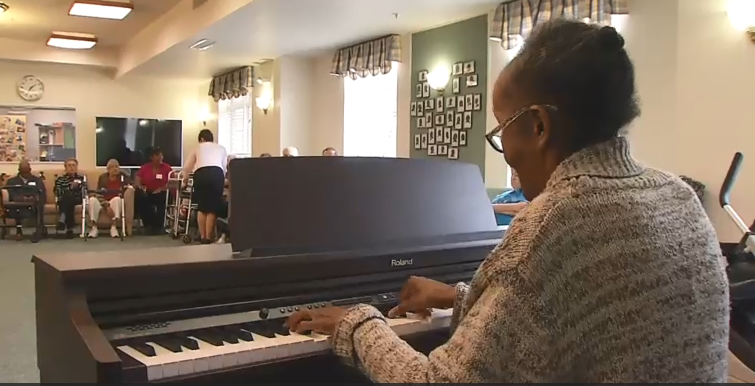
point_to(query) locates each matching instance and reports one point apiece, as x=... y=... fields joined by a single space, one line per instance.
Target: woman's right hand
x=420 y=294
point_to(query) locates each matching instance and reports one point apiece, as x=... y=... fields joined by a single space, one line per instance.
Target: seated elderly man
x=290 y=152
x=110 y=185
x=26 y=196
x=329 y=152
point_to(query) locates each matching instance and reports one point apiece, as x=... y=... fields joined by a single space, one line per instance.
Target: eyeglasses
x=494 y=136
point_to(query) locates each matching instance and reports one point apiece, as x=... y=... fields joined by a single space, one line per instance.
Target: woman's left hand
x=322 y=320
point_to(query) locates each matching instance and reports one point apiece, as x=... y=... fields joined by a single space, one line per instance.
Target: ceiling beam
x=37 y=52
x=183 y=22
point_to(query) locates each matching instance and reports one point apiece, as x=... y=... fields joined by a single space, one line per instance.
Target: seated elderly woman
x=507 y=204
x=290 y=152
x=110 y=185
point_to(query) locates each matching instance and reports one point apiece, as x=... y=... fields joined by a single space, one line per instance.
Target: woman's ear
x=543 y=125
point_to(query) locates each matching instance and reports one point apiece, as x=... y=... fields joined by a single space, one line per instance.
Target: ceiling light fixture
x=202 y=45
x=3 y=7
x=102 y=9
x=71 y=41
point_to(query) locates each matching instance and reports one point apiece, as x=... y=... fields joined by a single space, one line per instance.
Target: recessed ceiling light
x=3 y=7
x=103 y=9
x=202 y=45
x=71 y=41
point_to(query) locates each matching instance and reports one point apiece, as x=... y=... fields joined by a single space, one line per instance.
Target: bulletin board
x=12 y=138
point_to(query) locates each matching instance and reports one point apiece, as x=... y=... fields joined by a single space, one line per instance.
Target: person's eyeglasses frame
x=498 y=130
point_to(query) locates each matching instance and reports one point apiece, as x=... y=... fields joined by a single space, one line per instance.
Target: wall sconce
x=204 y=115
x=438 y=78
x=742 y=16
x=264 y=101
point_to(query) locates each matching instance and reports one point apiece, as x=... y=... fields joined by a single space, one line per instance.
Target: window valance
x=514 y=19
x=367 y=58
x=232 y=84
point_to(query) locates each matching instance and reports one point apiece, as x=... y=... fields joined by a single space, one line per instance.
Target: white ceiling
x=273 y=28
x=34 y=20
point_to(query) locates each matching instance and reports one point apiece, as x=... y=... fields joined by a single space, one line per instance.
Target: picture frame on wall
x=417 y=141
x=426 y=90
x=454 y=137
x=424 y=141
x=468 y=120
x=420 y=109
x=429 y=104
x=450 y=102
x=413 y=109
x=420 y=122
x=458 y=69
x=472 y=80
x=453 y=153
x=431 y=136
x=438 y=135
x=439 y=104
x=449 y=118
x=440 y=119
x=443 y=150
x=432 y=150
x=455 y=88
x=460 y=103
x=458 y=122
x=423 y=76
x=477 y=102
x=418 y=93
x=469 y=67
x=468 y=100
x=447 y=135
x=428 y=119
x=462 y=138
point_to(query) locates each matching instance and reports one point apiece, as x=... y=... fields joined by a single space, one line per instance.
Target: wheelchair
x=741 y=273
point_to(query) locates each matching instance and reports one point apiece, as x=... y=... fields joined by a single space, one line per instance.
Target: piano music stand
x=285 y=206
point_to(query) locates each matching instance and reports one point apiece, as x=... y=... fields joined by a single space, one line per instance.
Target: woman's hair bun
x=609 y=39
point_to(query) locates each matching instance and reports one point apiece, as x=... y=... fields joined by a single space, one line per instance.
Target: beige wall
x=93 y=92
x=695 y=77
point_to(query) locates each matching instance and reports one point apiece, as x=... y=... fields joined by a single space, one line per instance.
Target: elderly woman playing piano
x=612 y=273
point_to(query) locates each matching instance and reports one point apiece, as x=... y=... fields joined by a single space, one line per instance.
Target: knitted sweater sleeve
x=496 y=336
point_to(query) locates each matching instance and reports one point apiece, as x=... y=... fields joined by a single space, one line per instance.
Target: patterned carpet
x=17 y=324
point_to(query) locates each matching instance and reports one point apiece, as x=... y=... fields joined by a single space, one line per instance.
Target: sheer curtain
x=235 y=125
x=369 y=110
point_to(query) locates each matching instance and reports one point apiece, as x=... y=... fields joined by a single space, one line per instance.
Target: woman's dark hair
x=583 y=70
x=206 y=136
x=155 y=151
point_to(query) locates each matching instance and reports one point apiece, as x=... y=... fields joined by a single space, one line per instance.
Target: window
x=235 y=125
x=369 y=115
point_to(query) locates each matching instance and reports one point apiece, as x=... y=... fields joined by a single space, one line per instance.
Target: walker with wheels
x=180 y=212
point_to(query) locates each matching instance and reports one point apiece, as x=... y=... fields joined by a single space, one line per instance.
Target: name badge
x=32 y=183
x=159 y=176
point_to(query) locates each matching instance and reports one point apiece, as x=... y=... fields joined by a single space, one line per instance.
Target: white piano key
x=214 y=356
x=153 y=365
x=169 y=360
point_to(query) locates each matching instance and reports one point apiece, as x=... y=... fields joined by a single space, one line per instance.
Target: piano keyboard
x=227 y=347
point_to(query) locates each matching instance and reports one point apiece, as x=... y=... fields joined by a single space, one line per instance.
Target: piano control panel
x=383 y=302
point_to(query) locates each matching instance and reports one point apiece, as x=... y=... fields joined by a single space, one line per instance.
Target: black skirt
x=208 y=189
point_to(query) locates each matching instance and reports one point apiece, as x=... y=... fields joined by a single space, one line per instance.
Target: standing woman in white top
x=208 y=165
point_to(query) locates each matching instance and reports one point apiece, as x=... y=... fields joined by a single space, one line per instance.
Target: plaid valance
x=514 y=19
x=232 y=84
x=368 y=58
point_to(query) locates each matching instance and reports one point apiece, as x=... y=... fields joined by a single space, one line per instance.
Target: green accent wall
x=460 y=42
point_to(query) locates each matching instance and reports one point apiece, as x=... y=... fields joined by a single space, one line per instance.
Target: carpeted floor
x=17 y=331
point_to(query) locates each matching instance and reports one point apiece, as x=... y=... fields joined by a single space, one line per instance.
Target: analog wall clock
x=30 y=88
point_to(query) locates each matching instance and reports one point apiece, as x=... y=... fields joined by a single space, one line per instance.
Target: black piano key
x=260 y=328
x=185 y=341
x=168 y=343
x=279 y=328
x=209 y=336
x=240 y=334
x=226 y=335
x=143 y=348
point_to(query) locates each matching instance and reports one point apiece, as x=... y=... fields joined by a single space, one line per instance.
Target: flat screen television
x=130 y=140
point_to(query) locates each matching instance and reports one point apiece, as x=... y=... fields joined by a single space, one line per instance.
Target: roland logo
x=401 y=262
